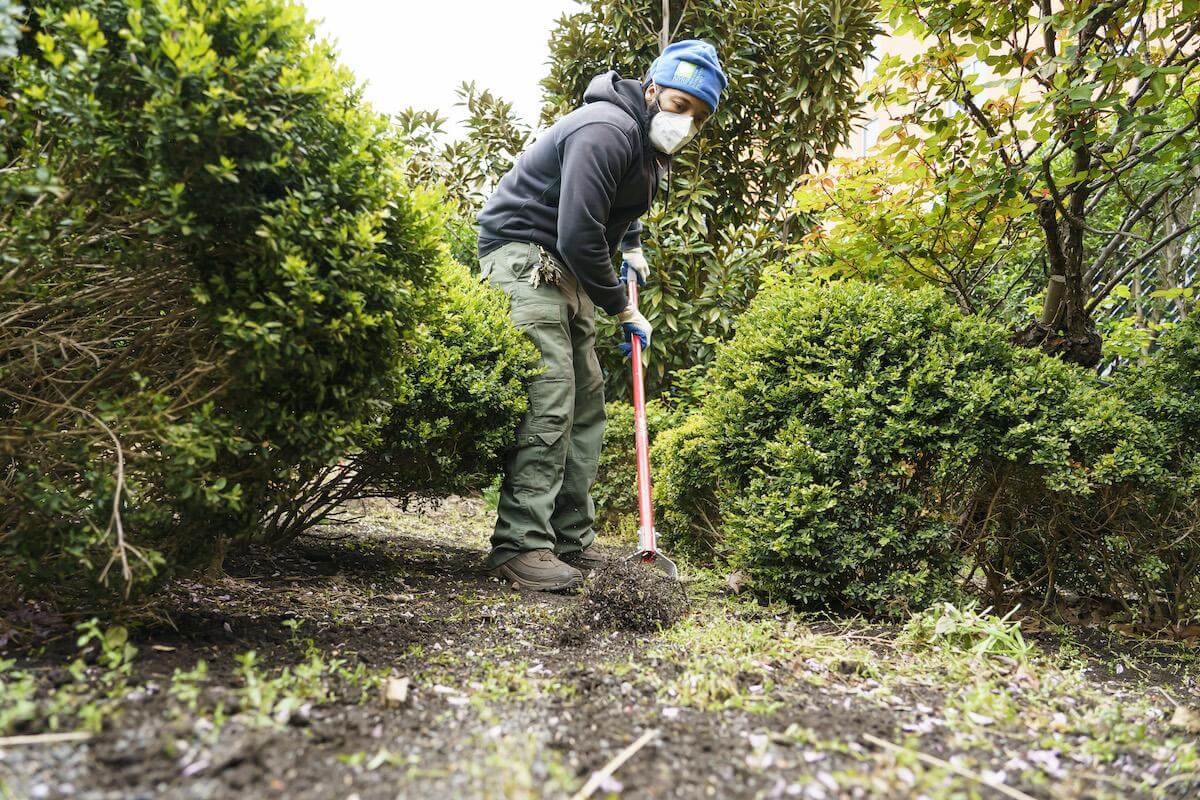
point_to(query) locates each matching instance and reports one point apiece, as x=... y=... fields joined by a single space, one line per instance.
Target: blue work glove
x=634 y=324
x=635 y=260
x=625 y=269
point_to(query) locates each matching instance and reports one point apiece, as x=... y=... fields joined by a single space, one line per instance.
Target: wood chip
x=600 y=776
x=1187 y=719
x=395 y=691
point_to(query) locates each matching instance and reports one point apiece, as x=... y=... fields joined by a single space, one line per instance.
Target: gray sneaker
x=540 y=571
x=583 y=560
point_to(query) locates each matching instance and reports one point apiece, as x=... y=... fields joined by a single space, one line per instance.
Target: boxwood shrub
x=216 y=283
x=843 y=429
x=865 y=448
x=1122 y=529
x=458 y=396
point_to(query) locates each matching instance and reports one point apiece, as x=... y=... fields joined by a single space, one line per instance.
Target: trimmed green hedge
x=1124 y=527
x=819 y=447
x=864 y=448
x=216 y=286
x=459 y=394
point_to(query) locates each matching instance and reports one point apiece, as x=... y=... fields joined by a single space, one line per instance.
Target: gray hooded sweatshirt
x=579 y=190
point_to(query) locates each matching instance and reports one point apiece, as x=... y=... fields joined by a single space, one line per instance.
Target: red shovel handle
x=646 y=533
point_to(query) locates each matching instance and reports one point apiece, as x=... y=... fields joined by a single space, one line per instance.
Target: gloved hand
x=635 y=260
x=635 y=325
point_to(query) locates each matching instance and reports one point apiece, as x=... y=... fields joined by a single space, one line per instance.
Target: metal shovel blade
x=659 y=562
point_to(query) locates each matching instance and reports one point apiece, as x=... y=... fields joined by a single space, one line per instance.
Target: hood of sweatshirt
x=627 y=95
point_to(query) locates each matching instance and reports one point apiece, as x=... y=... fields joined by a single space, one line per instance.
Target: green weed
x=518 y=766
x=967 y=630
x=18 y=693
x=187 y=686
x=273 y=698
x=92 y=696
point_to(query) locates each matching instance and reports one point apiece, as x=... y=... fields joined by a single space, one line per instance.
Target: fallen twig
x=872 y=639
x=45 y=738
x=938 y=762
x=593 y=783
x=1174 y=779
x=1167 y=695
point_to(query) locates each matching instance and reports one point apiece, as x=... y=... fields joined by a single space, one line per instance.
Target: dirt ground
x=386 y=664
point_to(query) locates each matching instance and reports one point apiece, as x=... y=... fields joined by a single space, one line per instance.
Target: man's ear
x=651 y=91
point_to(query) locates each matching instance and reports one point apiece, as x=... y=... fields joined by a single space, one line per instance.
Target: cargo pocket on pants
x=550 y=403
x=540 y=458
x=551 y=393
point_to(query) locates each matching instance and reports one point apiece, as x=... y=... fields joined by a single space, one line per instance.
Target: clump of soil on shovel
x=624 y=594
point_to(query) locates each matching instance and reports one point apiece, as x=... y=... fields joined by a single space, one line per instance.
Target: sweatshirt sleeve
x=594 y=158
x=632 y=239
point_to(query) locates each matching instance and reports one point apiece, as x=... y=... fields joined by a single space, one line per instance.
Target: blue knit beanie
x=691 y=66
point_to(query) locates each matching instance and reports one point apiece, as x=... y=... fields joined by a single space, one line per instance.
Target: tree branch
x=1138 y=262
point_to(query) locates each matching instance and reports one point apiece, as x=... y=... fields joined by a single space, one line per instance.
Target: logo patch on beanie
x=687 y=72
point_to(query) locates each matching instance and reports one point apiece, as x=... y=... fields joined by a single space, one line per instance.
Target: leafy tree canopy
x=1075 y=120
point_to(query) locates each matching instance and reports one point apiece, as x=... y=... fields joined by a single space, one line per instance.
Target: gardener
x=547 y=237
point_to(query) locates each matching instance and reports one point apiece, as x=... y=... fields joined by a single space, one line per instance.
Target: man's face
x=679 y=102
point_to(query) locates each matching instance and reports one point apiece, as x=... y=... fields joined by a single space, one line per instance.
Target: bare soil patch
x=746 y=700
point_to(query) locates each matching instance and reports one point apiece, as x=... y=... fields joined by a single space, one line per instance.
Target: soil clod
x=626 y=595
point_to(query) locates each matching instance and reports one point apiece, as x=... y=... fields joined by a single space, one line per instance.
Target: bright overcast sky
x=414 y=53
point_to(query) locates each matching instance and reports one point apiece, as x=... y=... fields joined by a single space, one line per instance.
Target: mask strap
x=667 y=188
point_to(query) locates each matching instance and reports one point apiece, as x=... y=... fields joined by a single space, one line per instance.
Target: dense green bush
x=1167 y=389
x=836 y=419
x=867 y=448
x=212 y=284
x=615 y=491
x=830 y=421
x=1167 y=551
x=1123 y=528
x=460 y=392
x=687 y=485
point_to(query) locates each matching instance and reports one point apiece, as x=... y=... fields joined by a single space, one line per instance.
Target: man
x=547 y=237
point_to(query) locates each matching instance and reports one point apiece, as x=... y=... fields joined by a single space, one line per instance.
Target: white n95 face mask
x=670 y=131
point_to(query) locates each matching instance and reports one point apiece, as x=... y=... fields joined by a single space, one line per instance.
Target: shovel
x=647 y=536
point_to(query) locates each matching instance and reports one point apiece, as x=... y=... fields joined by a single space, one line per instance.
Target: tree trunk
x=664 y=36
x=1065 y=329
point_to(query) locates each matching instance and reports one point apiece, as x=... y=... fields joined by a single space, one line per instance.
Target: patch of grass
x=518 y=680
x=187 y=685
x=902 y=773
x=370 y=762
x=498 y=674
x=517 y=766
x=733 y=655
x=998 y=693
x=796 y=735
x=1063 y=714
x=982 y=704
x=273 y=698
x=18 y=696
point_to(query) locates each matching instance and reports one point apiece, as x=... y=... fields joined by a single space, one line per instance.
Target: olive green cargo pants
x=545 y=500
